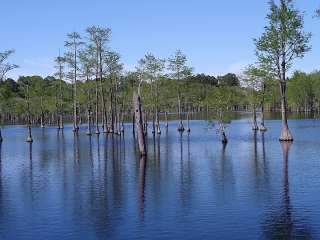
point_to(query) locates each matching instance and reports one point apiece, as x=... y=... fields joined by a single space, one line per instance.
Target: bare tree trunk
x=122 y=122
x=145 y=125
x=133 y=123
x=158 y=122
x=75 y=117
x=139 y=122
x=112 y=112
x=188 y=119
x=89 y=123
x=97 y=106
x=29 y=137
x=89 y=115
x=1 y=138
x=153 y=122
x=105 y=128
x=180 y=126
x=224 y=138
x=254 y=116
x=166 y=119
x=285 y=131
x=262 y=127
x=41 y=116
x=60 y=126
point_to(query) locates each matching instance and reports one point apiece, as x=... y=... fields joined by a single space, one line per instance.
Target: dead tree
x=139 y=124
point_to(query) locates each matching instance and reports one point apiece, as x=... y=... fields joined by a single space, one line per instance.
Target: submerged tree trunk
x=158 y=122
x=254 y=118
x=1 y=138
x=89 y=115
x=180 y=126
x=29 y=137
x=133 y=123
x=153 y=122
x=262 y=127
x=188 y=119
x=60 y=126
x=285 y=131
x=224 y=138
x=75 y=116
x=105 y=127
x=42 y=114
x=122 y=122
x=145 y=125
x=97 y=106
x=166 y=119
x=139 y=122
x=89 y=123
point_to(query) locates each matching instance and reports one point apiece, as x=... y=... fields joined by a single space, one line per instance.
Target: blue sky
x=215 y=35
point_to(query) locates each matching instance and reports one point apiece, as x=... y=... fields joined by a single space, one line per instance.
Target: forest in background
x=199 y=93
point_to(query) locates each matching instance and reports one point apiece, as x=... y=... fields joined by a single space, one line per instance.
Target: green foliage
x=229 y=80
x=283 y=39
x=303 y=91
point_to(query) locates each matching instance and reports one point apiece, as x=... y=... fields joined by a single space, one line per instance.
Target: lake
x=189 y=187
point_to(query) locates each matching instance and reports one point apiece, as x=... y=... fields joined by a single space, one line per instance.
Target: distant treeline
x=199 y=93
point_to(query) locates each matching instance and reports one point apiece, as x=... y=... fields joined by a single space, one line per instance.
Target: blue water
x=189 y=187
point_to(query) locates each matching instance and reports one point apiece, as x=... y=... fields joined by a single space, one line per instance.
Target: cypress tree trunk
x=158 y=122
x=224 y=138
x=153 y=122
x=42 y=114
x=61 y=101
x=166 y=119
x=89 y=115
x=1 y=138
x=122 y=122
x=89 y=123
x=105 y=127
x=139 y=122
x=188 y=128
x=133 y=123
x=145 y=123
x=285 y=131
x=254 y=116
x=112 y=113
x=262 y=127
x=75 y=117
x=29 y=137
x=97 y=106
x=180 y=126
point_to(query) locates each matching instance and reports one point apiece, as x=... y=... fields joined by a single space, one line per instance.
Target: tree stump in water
x=139 y=124
x=255 y=127
x=262 y=128
x=224 y=139
x=180 y=127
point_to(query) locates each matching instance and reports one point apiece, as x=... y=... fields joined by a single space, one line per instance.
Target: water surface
x=189 y=187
